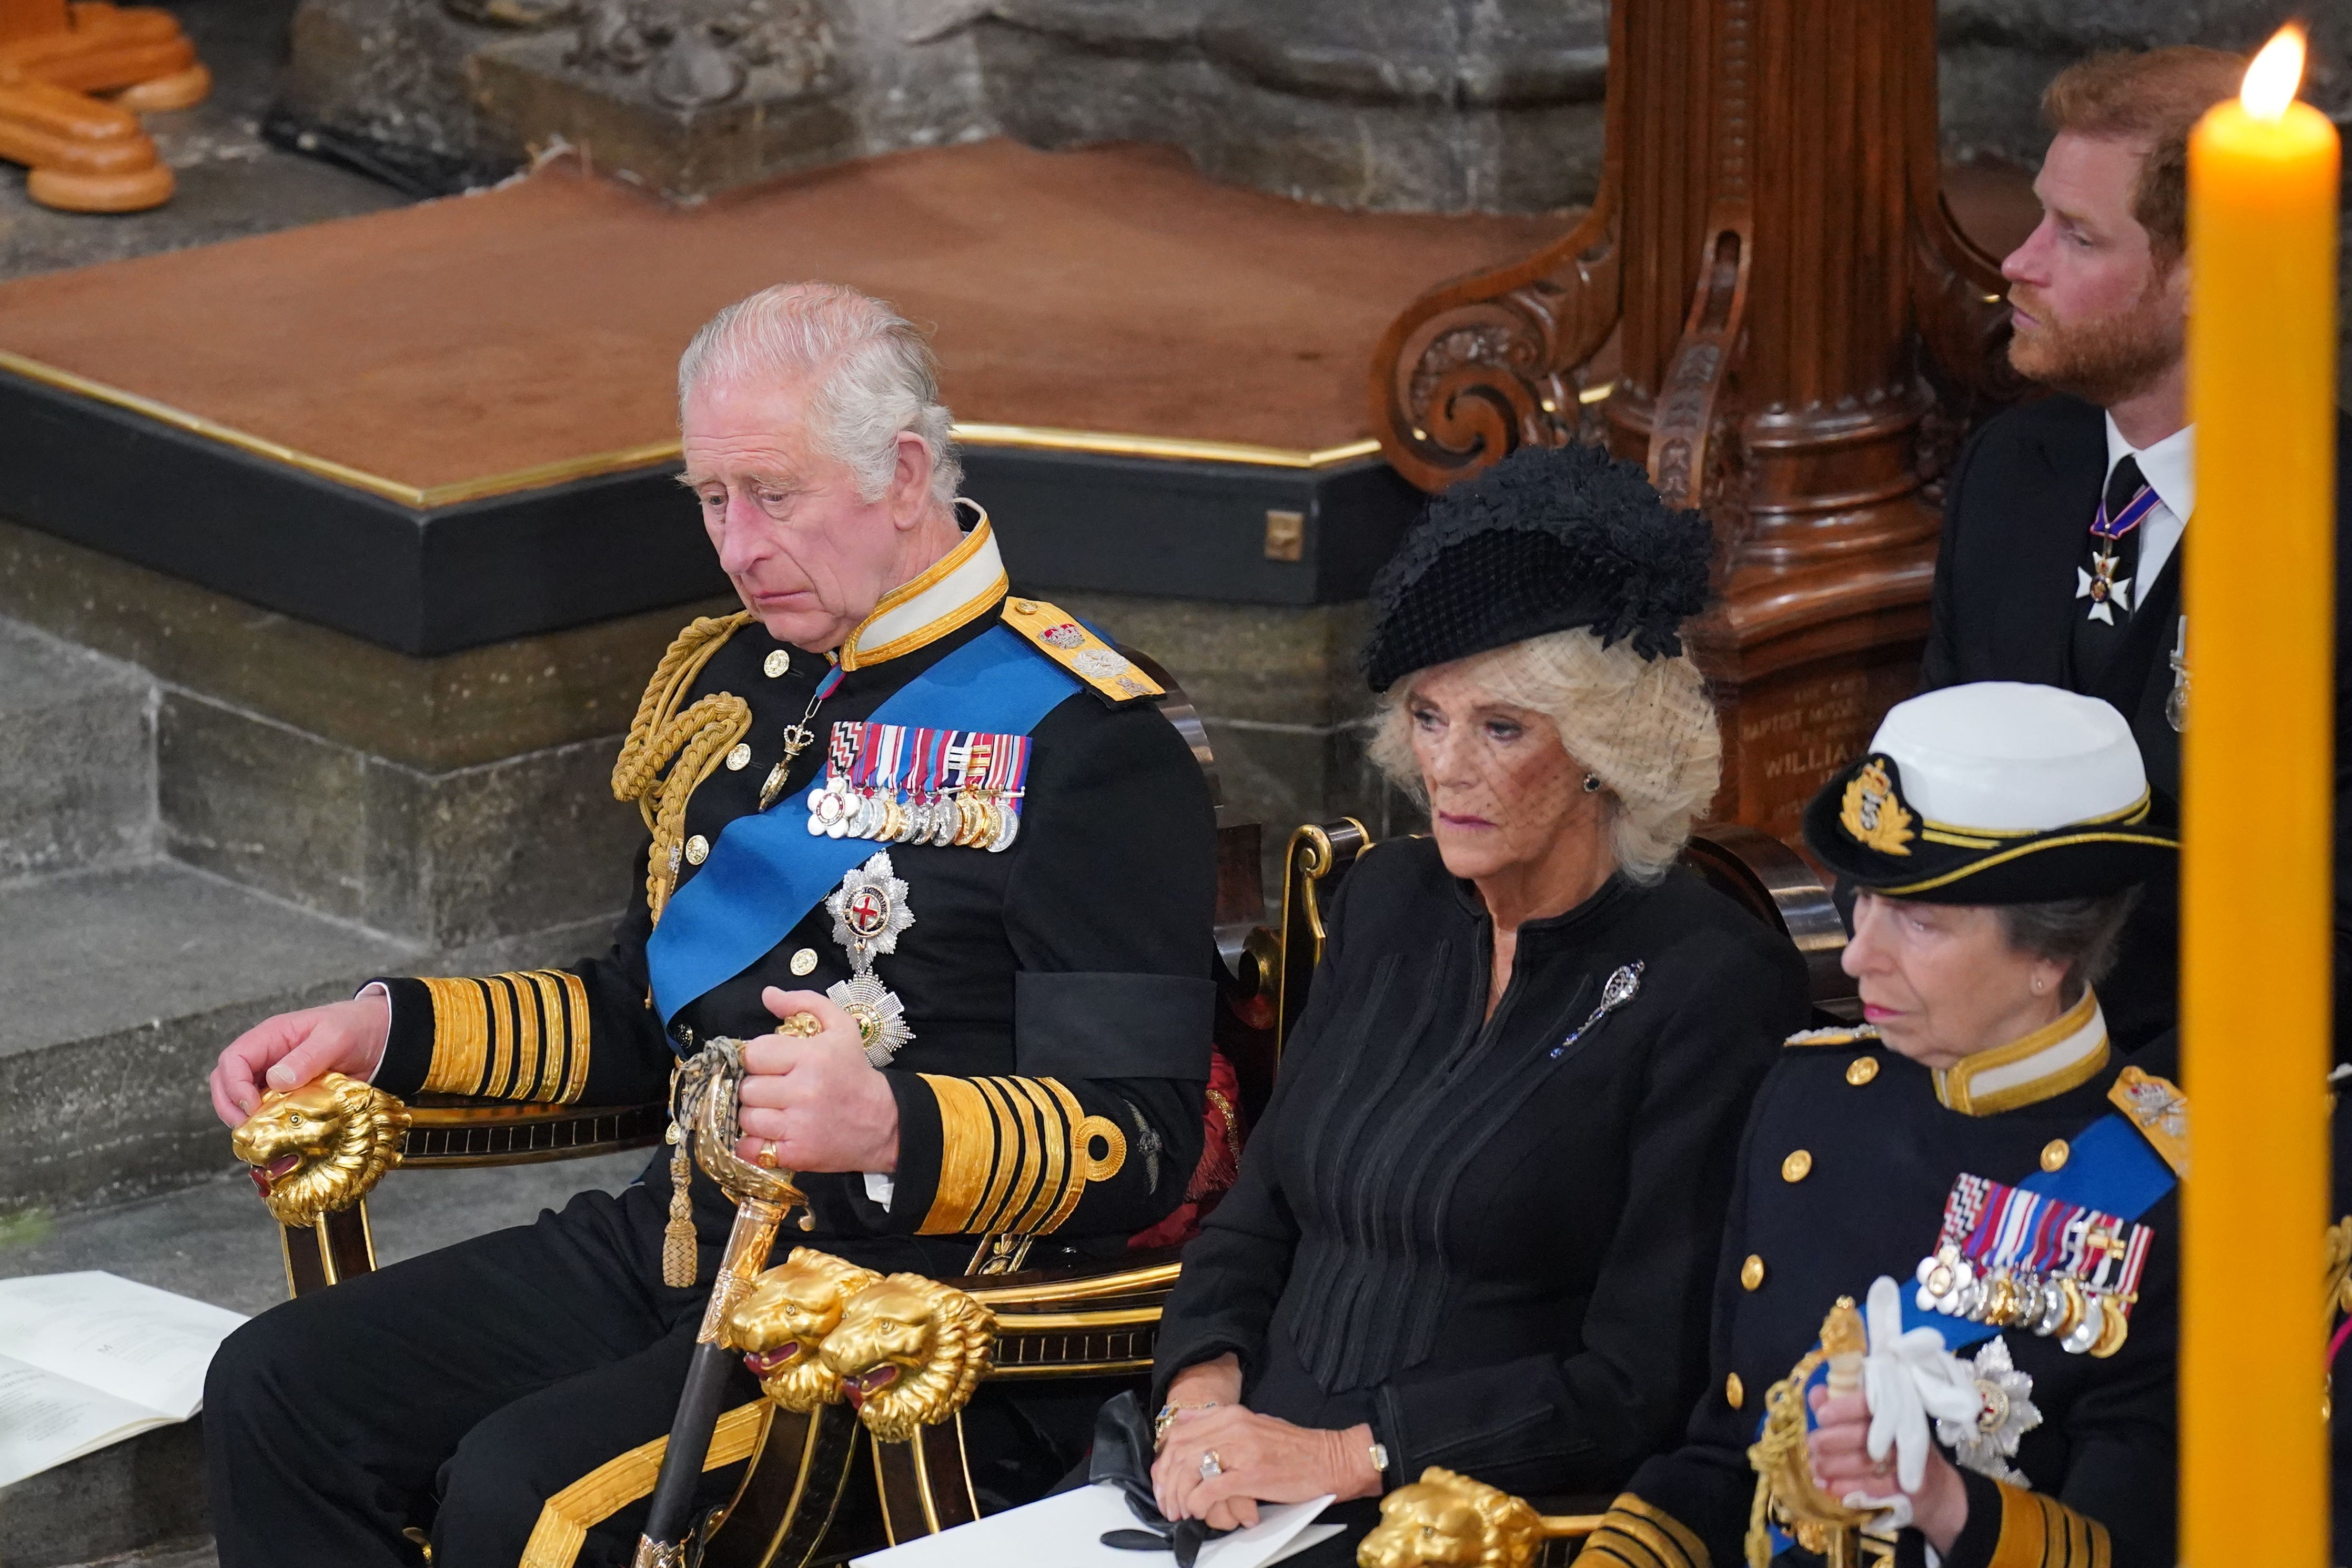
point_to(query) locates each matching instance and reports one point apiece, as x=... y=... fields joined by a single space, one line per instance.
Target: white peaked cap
x=2009 y=757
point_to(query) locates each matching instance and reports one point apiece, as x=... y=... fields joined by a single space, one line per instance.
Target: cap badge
x=1872 y=814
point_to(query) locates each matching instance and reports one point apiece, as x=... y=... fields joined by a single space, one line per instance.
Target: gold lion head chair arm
x=1448 y=1521
x=782 y=1326
x=321 y=1147
x=908 y=1353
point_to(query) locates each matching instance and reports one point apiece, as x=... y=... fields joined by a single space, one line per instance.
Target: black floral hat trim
x=1550 y=538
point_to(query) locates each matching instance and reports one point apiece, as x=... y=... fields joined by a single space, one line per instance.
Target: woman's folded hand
x=1257 y=1459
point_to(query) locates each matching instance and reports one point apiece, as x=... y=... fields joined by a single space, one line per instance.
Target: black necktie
x=2106 y=583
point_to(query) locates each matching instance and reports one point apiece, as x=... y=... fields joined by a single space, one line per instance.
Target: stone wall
x=1404 y=104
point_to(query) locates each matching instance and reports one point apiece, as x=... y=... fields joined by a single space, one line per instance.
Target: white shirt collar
x=2170 y=466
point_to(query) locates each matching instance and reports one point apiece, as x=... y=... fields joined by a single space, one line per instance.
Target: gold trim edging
x=1039 y=438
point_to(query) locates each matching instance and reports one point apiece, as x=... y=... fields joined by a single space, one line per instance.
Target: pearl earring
x=1592 y=783
x=2040 y=986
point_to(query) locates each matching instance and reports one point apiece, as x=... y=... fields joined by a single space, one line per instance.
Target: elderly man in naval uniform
x=945 y=820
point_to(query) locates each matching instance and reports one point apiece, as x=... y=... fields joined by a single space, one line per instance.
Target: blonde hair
x=875 y=377
x=1645 y=727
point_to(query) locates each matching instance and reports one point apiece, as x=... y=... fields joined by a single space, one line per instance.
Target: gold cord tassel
x=678 y=1235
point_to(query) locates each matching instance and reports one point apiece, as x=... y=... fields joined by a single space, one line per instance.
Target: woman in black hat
x=1477 y=1226
x=1975 y=1160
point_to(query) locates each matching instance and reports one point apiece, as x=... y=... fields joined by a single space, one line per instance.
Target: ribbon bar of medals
x=910 y=784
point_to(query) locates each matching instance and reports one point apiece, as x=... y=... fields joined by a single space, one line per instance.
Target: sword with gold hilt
x=705 y=1118
x=1786 y=1493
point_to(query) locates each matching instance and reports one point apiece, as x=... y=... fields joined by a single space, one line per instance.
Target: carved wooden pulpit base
x=87 y=153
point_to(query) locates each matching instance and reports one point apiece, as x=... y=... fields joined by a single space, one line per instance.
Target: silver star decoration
x=877 y=1012
x=869 y=909
x=2005 y=1413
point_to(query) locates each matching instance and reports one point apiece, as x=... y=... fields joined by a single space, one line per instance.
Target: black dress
x=1495 y=1249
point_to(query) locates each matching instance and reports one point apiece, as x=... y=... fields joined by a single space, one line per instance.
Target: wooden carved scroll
x=1484 y=364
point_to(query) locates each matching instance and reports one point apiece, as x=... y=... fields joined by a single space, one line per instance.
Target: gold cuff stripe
x=575 y=1036
x=1004 y=1153
x=565 y=1518
x=461 y=1036
x=967 y=1162
x=1675 y=1542
x=1016 y=1155
x=2037 y=1531
x=1026 y=1141
x=1611 y=1543
x=1054 y=1135
x=517 y=1036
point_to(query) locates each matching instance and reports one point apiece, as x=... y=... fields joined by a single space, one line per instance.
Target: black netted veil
x=1548 y=538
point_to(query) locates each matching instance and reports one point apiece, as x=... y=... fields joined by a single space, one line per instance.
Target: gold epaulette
x=2160 y=1109
x=1111 y=674
x=1837 y=1034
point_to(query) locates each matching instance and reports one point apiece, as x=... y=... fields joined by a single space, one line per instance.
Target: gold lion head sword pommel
x=321 y=1147
x=782 y=1326
x=909 y=1352
x=1448 y=1521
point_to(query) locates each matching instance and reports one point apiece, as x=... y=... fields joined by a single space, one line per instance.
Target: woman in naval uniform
x=1477 y=1226
x=1975 y=1160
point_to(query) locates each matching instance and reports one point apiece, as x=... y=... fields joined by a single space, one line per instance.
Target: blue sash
x=767 y=869
x=2111 y=1168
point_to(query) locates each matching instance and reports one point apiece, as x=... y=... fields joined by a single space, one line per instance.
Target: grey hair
x=875 y=376
x=1645 y=727
x=2083 y=933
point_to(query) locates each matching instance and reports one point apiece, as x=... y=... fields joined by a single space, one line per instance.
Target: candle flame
x=2276 y=73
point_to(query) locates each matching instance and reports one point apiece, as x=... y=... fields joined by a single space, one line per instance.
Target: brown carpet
x=1110 y=290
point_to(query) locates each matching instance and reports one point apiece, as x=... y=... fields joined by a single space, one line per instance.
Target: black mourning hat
x=1550 y=538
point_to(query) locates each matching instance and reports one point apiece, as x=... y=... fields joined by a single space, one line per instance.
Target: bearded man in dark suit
x=2064 y=519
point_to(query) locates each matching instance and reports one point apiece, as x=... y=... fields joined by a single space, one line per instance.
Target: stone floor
x=231 y=182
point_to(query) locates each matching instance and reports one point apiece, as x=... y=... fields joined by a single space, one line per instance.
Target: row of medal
x=2021 y=1259
x=910 y=784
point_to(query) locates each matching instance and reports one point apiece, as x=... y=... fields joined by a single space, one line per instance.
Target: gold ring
x=766 y=1158
x=802 y=1025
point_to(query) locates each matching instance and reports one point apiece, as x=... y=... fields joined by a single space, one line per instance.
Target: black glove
x=1122 y=1457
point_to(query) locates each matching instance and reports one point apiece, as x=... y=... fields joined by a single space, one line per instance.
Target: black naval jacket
x=1079 y=955
x=1487 y=1242
x=2017 y=510
x=1882 y=1150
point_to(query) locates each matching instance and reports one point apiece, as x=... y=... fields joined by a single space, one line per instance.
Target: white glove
x=1907 y=1379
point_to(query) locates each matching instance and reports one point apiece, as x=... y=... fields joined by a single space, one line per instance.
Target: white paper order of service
x=1066 y=1531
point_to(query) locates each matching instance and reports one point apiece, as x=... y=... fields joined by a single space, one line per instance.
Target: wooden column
x=1770 y=305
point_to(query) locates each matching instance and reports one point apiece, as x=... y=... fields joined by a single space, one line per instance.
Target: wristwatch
x=1380 y=1458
